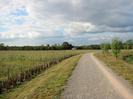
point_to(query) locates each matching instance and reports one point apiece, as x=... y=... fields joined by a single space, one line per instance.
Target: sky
x=80 y=22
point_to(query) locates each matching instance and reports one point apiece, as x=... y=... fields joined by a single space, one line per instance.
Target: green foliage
x=128 y=44
x=66 y=45
x=2 y=46
x=122 y=67
x=116 y=47
x=47 y=85
x=63 y=46
x=24 y=60
x=105 y=47
x=19 y=66
x=128 y=58
x=90 y=47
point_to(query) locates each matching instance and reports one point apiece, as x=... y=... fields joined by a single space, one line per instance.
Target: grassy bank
x=47 y=85
x=12 y=63
x=120 y=66
x=17 y=67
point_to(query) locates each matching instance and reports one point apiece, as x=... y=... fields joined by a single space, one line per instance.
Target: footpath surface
x=91 y=80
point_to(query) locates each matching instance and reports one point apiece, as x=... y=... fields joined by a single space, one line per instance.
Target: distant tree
x=105 y=47
x=88 y=47
x=2 y=46
x=116 y=47
x=48 y=46
x=66 y=45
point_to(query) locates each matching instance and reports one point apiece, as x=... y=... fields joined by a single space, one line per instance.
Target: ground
x=92 y=80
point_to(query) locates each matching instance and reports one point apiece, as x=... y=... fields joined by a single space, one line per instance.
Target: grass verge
x=120 y=66
x=47 y=85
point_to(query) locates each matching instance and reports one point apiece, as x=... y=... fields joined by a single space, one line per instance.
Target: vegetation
x=123 y=64
x=66 y=45
x=128 y=44
x=116 y=47
x=63 y=46
x=120 y=66
x=90 y=47
x=47 y=85
x=18 y=66
x=105 y=47
x=128 y=58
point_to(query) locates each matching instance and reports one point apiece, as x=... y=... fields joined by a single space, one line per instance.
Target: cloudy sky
x=36 y=22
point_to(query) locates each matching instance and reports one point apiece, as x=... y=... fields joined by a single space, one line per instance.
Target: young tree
x=105 y=47
x=116 y=47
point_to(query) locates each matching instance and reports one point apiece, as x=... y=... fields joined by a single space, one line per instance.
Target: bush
x=105 y=47
x=116 y=47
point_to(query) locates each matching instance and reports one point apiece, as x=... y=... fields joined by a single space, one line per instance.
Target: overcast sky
x=36 y=22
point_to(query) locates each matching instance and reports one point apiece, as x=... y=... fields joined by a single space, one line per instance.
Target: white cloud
x=77 y=28
x=16 y=33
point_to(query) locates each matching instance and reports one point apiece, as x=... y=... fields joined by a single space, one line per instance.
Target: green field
x=19 y=66
x=121 y=66
x=14 y=62
x=47 y=85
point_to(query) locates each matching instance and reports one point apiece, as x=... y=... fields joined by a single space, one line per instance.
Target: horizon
x=79 y=22
x=59 y=44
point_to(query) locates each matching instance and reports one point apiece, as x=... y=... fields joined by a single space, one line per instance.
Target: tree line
x=67 y=46
x=116 y=45
x=63 y=46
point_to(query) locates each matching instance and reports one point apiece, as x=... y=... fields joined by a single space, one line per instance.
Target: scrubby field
x=47 y=85
x=17 y=66
x=122 y=66
x=128 y=56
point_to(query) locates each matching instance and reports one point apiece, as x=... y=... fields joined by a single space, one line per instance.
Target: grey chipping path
x=92 y=80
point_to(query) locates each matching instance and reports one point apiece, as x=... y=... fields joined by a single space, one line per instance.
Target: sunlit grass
x=47 y=85
x=120 y=66
x=16 y=61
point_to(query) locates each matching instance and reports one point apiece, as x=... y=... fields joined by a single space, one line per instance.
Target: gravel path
x=91 y=80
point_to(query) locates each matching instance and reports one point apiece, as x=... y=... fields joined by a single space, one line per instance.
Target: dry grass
x=47 y=85
x=120 y=66
x=16 y=61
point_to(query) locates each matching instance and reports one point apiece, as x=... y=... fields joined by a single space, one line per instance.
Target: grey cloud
x=102 y=13
x=53 y=20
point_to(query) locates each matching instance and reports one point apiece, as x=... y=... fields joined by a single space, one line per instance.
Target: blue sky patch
x=19 y=21
x=20 y=12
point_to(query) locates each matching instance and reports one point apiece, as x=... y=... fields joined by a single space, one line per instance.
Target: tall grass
x=120 y=66
x=18 y=66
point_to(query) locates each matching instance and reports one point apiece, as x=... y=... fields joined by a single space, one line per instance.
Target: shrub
x=105 y=47
x=116 y=47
